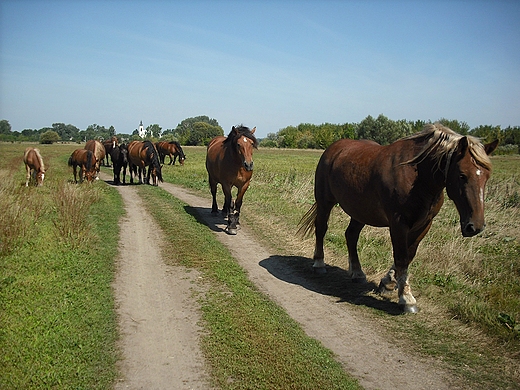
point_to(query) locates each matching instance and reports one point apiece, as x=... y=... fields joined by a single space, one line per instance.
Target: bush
x=49 y=137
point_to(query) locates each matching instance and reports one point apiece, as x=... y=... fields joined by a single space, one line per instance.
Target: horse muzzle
x=248 y=166
x=469 y=229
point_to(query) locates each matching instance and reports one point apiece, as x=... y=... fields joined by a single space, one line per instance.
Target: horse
x=98 y=150
x=86 y=161
x=140 y=155
x=229 y=161
x=34 y=165
x=399 y=186
x=171 y=149
x=109 y=145
x=119 y=156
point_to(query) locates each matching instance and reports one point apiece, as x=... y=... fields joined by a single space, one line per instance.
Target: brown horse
x=109 y=145
x=171 y=149
x=34 y=165
x=86 y=161
x=229 y=161
x=98 y=150
x=400 y=186
x=142 y=154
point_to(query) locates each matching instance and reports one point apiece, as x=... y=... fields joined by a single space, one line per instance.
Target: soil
x=159 y=317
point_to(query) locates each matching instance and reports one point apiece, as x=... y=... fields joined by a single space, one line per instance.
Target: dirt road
x=158 y=316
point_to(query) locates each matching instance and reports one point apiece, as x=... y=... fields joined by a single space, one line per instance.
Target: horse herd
x=400 y=186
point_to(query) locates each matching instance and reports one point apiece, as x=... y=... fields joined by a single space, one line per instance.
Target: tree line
x=201 y=129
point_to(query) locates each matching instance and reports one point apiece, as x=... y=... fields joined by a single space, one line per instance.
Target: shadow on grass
x=335 y=282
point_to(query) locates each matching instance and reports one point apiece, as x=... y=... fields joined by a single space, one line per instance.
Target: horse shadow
x=204 y=216
x=335 y=282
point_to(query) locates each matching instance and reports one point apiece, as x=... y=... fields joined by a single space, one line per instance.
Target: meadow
x=57 y=324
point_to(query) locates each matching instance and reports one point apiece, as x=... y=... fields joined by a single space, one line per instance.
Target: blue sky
x=268 y=64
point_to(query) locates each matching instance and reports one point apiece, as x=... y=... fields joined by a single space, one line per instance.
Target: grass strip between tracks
x=248 y=341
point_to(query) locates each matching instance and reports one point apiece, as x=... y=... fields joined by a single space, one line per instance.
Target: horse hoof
x=232 y=232
x=413 y=309
x=319 y=270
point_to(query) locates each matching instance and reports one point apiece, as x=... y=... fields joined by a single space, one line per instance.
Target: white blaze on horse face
x=479 y=172
x=481 y=195
x=245 y=139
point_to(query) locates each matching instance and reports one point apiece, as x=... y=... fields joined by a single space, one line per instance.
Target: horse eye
x=463 y=177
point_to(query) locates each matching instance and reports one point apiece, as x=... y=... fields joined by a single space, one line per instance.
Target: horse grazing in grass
x=86 y=161
x=109 y=145
x=229 y=161
x=119 y=156
x=399 y=186
x=34 y=165
x=98 y=150
x=171 y=149
x=142 y=154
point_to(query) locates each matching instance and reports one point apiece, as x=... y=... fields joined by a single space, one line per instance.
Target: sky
x=264 y=63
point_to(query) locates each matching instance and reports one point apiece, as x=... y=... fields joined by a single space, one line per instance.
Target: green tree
x=49 y=137
x=5 y=127
x=191 y=132
x=383 y=130
x=153 y=131
x=458 y=127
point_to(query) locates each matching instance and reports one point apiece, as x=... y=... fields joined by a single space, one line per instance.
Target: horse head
x=466 y=178
x=245 y=142
x=39 y=178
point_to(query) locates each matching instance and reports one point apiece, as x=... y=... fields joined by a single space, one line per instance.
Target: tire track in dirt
x=157 y=313
x=363 y=352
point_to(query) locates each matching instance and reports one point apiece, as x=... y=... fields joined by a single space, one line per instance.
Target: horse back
x=365 y=178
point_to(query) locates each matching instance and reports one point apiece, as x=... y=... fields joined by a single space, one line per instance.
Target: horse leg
x=352 y=236
x=213 y=189
x=124 y=173
x=323 y=210
x=28 y=176
x=238 y=202
x=226 y=189
x=403 y=255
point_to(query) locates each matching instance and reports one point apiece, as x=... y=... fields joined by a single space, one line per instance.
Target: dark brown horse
x=119 y=156
x=86 y=161
x=109 y=145
x=171 y=149
x=142 y=154
x=98 y=150
x=400 y=186
x=34 y=165
x=229 y=161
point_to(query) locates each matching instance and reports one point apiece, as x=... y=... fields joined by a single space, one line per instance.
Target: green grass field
x=57 y=324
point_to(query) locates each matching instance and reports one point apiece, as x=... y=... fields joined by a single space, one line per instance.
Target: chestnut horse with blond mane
x=229 y=161
x=399 y=186
x=98 y=150
x=34 y=166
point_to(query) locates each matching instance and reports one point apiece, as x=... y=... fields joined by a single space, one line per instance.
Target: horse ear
x=489 y=148
x=253 y=130
x=462 y=147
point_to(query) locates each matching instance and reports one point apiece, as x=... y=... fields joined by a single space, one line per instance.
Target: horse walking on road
x=229 y=161
x=142 y=154
x=399 y=186
x=34 y=166
x=109 y=145
x=119 y=156
x=86 y=161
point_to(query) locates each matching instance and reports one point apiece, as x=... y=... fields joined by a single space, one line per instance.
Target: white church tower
x=141 y=130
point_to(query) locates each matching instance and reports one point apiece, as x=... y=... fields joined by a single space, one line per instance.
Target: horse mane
x=153 y=155
x=38 y=156
x=440 y=142
x=241 y=131
x=90 y=155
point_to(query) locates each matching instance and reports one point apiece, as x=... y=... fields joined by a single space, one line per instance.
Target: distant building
x=142 y=131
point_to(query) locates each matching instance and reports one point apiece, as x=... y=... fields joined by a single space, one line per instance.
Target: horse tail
x=306 y=224
x=40 y=159
x=70 y=159
x=153 y=155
